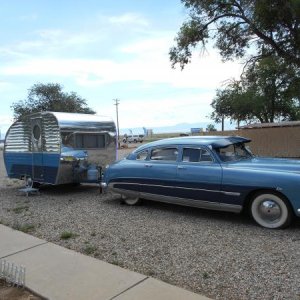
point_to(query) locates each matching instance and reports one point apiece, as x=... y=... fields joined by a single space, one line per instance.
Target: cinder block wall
x=275 y=141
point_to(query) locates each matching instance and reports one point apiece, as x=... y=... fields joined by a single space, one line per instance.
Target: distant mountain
x=181 y=127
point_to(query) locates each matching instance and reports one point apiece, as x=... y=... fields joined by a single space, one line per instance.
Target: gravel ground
x=220 y=255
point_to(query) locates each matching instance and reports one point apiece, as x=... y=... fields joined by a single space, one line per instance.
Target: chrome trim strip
x=180 y=201
x=180 y=187
x=231 y=193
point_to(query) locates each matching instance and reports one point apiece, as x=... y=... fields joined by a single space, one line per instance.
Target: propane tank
x=92 y=173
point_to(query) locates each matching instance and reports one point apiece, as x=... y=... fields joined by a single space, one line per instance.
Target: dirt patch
x=8 y=292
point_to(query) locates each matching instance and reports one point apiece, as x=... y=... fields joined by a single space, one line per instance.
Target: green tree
x=268 y=91
x=211 y=127
x=271 y=27
x=50 y=97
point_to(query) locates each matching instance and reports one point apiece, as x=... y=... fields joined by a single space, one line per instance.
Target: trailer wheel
x=28 y=182
x=36 y=185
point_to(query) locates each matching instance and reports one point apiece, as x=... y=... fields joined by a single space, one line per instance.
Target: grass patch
x=26 y=228
x=89 y=249
x=3 y=222
x=68 y=235
x=20 y=209
x=117 y=263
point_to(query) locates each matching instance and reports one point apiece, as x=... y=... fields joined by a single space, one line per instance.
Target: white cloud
x=4 y=86
x=146 y=60
x=128 y=18
x=143 y=61
x=158 y=44
x=155 y=112
x=206 y=72
x=29 y=17
x=57 y=36
x=55 y=39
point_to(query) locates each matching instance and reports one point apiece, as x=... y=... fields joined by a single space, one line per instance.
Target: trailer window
x=90 y=141
x=36 y=132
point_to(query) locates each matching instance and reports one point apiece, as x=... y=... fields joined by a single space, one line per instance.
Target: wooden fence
x=274 y=141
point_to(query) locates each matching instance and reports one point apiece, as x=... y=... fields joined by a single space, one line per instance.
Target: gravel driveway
x=220 y=255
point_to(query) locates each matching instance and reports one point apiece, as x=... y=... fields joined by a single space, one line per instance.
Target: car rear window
x=196 y=155
x=169 y=154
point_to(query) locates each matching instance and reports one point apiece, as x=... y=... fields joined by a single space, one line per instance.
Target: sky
x=105 y=50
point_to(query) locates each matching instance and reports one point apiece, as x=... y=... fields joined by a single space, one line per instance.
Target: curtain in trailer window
x=90 y=141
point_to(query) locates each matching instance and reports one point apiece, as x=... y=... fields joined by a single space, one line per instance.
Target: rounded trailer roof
x=82 y=121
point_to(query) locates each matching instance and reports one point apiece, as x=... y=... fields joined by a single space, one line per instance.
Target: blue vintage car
x=212 y=172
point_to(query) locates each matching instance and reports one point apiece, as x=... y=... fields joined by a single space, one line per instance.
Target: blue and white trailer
x=59 y=148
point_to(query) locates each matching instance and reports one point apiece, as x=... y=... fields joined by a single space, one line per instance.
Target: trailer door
x=37 y=149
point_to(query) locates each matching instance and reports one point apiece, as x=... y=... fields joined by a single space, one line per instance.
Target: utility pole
x=117 y=102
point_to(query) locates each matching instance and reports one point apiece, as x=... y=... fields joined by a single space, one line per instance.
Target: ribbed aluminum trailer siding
x=57 y=148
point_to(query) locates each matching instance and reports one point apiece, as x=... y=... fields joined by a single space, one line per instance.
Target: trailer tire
x=36 y=185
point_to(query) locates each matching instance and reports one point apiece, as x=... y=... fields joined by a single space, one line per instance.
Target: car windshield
x=234 y=152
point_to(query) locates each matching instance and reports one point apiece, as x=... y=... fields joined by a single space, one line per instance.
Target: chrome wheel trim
x=269 y=211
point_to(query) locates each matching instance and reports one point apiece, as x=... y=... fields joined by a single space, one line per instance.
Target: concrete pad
x=12 y=241
x=151 y=289
x=58 y=273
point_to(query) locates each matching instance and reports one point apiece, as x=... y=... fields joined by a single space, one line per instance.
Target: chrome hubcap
x=130 y=200
x=269 y=210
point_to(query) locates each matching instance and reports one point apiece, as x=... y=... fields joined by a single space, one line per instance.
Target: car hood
x=272 y=164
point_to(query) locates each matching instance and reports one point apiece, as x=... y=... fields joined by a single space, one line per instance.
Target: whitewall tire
x=130 y=200
x=271 y=211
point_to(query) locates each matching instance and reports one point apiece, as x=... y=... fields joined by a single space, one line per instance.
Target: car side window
x=196 y=155
x=142 y=155
x=205 y=156
x=169 y=154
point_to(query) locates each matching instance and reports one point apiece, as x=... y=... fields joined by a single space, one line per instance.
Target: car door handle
x=181 y=168
x=148 y=165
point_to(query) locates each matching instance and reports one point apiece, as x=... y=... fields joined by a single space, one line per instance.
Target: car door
x=159 y=171
x=199 y=175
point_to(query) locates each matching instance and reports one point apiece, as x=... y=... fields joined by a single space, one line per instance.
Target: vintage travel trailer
x=59 y=148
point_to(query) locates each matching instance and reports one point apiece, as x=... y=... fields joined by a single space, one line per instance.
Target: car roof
x=213 y=141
